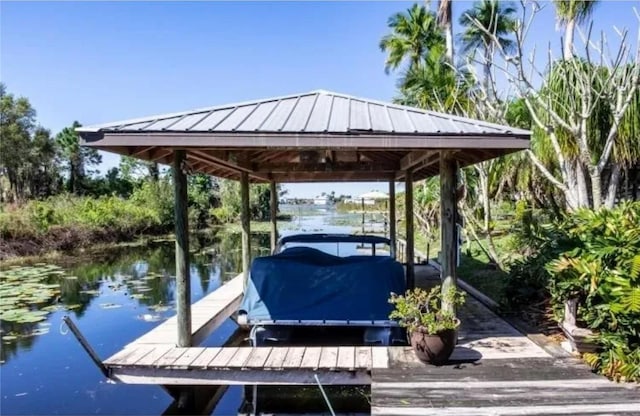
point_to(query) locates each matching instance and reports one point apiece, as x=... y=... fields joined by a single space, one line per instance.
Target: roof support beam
x=374 y=176
x=448 y=226
x=246 y=226
x=326 y=167
x=408 y=220
x=183 y=285
x=205 y=157
x=411 y=159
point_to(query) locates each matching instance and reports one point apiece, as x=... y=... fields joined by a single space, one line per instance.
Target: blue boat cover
x=303 y=283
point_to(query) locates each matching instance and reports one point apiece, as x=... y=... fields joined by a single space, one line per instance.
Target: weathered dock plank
x=246 y=365
x=276 y=358
x=206 y=315
x=294 y=357
x=495 y=386
x=346 y=358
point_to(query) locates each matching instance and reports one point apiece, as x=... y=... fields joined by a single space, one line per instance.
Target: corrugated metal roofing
x=314 y=112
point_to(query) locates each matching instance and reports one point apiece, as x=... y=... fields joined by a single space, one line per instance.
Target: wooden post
x=448 y=174
x=362 y=202
x=274 y=215
x=183 y=280
x=392 y=216
x=408 y=205
x=246 y=225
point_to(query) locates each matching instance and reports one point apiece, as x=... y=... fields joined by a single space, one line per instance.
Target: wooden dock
x=513 y=386
x=206 y=315
x=495 y=369
x=167 y=365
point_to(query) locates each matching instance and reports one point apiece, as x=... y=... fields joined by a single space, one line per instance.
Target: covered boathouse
x=323 y=136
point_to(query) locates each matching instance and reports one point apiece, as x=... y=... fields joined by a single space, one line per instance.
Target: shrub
x=603 y=273
x=592 y=256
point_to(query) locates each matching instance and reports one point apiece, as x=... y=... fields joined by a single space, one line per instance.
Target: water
x=114 y=298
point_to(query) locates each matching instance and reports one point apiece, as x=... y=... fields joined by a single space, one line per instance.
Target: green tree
x=435 y=85
x=27 y=153
x=76 y=158
x=413 y=33
x=498 y=19
x=570 y=13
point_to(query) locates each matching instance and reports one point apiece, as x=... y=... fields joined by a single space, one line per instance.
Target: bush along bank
x=591 y=258
x=65 y=222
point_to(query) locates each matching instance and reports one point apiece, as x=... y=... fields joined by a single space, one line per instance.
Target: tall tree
x=77 y=158
x=497 y=18
x=413 y=33
x=435 y=85
x=27 y=153
x=570 y=13
x=445 y=21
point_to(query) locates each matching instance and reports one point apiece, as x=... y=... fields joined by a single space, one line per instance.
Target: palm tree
x=496 y=18
x=435 y=85
x=445 y=23
x=414 y=32
x=569 y=13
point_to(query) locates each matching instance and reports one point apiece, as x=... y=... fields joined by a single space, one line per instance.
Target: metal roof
x=316 y=136
x=313 y=112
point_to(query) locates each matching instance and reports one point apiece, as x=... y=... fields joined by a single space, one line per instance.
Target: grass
x=477 y=270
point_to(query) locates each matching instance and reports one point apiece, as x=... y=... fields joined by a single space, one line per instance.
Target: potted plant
x=432 y=331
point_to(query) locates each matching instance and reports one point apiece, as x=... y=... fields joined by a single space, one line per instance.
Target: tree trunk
x=487 y=73
x=614 y=180
x=72 y=177
x=154 y=172
x=596 y=188
x=568 y=39
x=582 y=192
x=448 y=30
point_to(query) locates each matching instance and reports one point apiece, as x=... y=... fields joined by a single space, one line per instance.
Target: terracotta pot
x=434 y=348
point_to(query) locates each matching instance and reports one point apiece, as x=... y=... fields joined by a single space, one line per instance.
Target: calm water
x=115 y=297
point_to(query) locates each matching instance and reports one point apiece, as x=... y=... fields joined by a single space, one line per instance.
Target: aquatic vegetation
x=24 y=291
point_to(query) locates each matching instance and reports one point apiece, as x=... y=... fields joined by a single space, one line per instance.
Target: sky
x=98 y=62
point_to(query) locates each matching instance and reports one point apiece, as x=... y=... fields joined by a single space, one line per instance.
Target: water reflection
x=115 y=296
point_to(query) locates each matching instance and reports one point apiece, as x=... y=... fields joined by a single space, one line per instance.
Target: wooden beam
x=326 y=167
x=245 y=215
x=392 y=216
x=448 y=233
x=199 y=377
x=411 y=159
x=218 y=161
x=374 y=176
x=183 y=281
x=274 y=214
x=431 y=160
x=140 y=151
x=408 y=219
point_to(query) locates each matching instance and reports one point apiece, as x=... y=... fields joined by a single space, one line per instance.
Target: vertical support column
x=408 y=205
x=362 y=206
x=274 y=214
x=392 y=216
x=448 y=234
x=246 y=225
x=183 y=281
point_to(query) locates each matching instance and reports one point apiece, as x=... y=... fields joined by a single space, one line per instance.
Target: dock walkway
x=494 y=370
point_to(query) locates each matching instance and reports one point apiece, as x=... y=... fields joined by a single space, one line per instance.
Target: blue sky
x=98 y=62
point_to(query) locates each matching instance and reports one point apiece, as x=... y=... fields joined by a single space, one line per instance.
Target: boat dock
x=495 y=369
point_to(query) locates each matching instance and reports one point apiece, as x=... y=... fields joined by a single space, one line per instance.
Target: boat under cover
x=303 y=284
